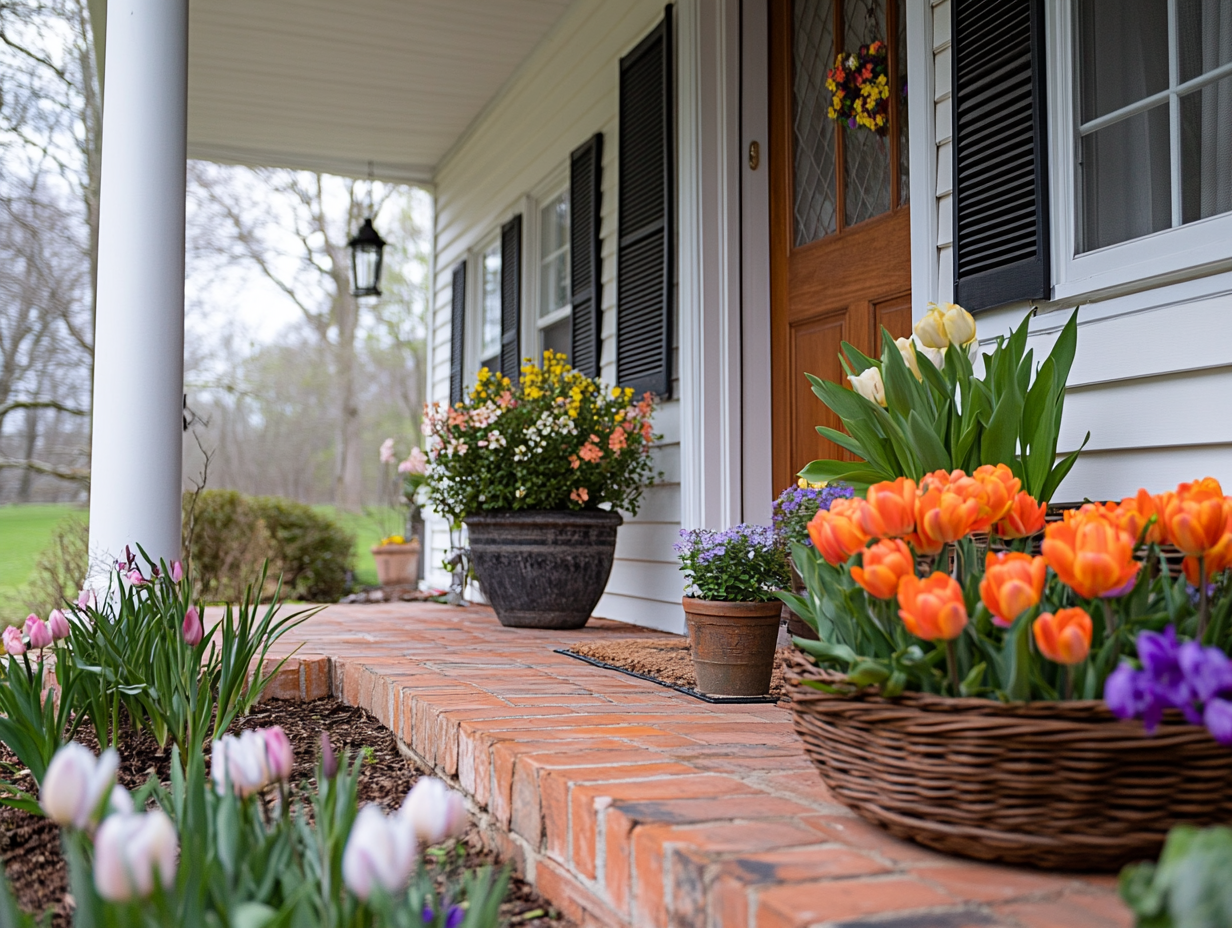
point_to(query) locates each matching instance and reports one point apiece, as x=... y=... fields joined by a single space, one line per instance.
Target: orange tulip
x=890 y=509
x=933 y=608
x=1064 y=638
x=999 y=487
x=1195 y=518
x=835 y=534
x=1025 y=517
x=1012 y=584
x=941 y=517
x=1218 y=559
x=1091 y=553
x=1134 y=512
x=885 y=563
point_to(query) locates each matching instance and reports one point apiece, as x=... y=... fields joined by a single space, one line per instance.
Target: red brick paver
x=631 y=806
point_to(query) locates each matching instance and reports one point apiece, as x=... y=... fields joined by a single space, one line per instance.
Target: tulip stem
x=951 y=659
x=1069 y=681
x=1204 y=605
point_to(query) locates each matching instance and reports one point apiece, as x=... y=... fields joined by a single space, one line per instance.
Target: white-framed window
x=553 y=324
x=488 y=306
x=1142 y=139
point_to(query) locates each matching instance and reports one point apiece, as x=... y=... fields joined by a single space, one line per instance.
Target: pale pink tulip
x=75 y=784
x=192 y=630
x=58 y=624
x=86 y=599
x=134 y=577
x=380 y=852
x=435 y=811
x=177 y=571
x=279 y=753
x=131 y=851
x=329 y=760
x=12 y=641
x=38 y=632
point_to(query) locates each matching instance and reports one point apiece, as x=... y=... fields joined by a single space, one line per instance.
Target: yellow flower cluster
x=489 y=385
x=866 y=105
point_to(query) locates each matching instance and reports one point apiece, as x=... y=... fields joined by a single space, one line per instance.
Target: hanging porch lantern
x=367 y=248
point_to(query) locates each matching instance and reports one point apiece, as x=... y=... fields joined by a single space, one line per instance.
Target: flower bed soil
x=665 y=659
x=30 y=845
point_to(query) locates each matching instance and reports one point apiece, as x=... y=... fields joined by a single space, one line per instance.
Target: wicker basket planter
x=1049 y=784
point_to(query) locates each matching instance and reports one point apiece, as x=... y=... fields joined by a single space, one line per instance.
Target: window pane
x=1126 y=185
x=554 y=255
x=1205 y=31
x=491 y=302
x=557 y=337
x=1206 y=151
x=815 y=153
x=1123 y=53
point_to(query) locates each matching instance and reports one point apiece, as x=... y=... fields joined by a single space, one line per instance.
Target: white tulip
x=75 y=784
x=906 y=348
x=435 y=811
x=870 y=386
x=380 y=851
x=120 y=801
x=130 y=851
x=935 y=355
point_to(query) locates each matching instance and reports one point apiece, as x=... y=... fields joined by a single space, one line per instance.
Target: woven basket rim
x=803 y=667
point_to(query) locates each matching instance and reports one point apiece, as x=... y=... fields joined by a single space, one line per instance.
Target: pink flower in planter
x=415 y=463
x=192 y=629
x=13 y=643
x=58 y=624
x=387 y=451
x=38 y=632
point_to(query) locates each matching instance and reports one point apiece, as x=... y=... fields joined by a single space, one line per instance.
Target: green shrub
x=314 y=552
x=228 y=536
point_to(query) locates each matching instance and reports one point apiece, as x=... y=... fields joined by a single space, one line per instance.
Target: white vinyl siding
x=560 y=96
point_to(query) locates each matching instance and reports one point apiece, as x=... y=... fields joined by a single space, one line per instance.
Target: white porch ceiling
x=334 y=84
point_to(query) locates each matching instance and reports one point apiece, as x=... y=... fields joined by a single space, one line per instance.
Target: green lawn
x=368 y=527
x=24 y=533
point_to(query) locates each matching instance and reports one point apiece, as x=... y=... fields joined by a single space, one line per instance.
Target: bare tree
x=293 y=227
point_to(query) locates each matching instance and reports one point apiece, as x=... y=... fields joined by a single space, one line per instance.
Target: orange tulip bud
x=1091 y=553
x=890 y=509
x=933 y=608
x=1064 y=638
x=1025 y=517
x=1013 y=583
x=1218 y=559
x=1000 y=487
x=1195 y=517
x=885 y=563
x=835 y=534
x=941 y=517
x=1134 y=512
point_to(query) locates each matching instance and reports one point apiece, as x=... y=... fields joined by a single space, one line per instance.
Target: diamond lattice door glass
x=845 y=174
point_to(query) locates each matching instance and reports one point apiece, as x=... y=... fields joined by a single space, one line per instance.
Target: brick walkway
x=628 y=804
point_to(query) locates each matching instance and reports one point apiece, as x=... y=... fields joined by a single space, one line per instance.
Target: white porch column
x=139 y=331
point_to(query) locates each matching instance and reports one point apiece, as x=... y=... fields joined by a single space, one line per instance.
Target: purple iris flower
x=1218 y=720
x=453 y=916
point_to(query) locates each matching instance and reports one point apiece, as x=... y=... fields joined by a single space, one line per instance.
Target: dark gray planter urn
x=543 y=568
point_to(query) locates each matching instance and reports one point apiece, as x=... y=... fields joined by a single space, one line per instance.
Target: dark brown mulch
x=665 y=659
x=30 y=845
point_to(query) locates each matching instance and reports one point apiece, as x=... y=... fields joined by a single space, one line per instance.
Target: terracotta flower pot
x=732 y=645
x=397 y=565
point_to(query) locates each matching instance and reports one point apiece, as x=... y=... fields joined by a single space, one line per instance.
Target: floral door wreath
x=860 y=85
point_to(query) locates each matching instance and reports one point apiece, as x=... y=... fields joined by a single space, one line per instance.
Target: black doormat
x=687 y=690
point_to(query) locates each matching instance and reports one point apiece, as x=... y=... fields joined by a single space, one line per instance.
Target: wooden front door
x=840 y=238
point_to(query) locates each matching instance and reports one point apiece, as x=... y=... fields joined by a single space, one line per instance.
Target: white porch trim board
x=139 y=340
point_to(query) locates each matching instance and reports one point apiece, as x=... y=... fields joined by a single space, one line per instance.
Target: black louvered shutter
x=585 y=263
x=1000 y=153
x=457 y=333
x=645 y=231
x=511 y=297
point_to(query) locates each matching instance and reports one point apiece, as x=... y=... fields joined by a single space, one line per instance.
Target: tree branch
x=73 y=474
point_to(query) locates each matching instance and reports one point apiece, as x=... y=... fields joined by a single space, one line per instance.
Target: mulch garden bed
x=30 y=845
x=665 y=659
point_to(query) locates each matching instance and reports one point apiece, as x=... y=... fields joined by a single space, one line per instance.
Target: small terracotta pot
x=397 y=565
x=732 y=645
